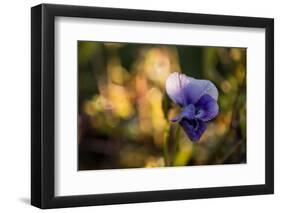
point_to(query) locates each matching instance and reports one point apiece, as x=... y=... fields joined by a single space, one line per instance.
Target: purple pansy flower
x=198 y=99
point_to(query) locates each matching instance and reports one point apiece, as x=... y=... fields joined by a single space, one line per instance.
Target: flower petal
x=193 y=128
x=175 y=84
x=184 y=90
x=207 y=108
x=197 y=88
x=187 y=112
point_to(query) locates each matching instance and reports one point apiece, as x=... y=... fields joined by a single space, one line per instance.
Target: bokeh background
x=124 y=110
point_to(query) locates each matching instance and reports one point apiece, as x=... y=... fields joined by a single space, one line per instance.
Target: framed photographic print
x=140 y=106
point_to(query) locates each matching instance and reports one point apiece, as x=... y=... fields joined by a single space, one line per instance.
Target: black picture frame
x=43 y=102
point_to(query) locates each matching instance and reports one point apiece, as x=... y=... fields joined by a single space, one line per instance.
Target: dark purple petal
x=187 y=112
x=193 y=128
x=197 y=88
x=175 y=84
x=206 y=108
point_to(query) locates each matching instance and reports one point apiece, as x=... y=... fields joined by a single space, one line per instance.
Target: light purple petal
x=175 y=85
x=197 y=88
x=193 y=128
x=187 y=112
x=184 y=90
x=207 y=108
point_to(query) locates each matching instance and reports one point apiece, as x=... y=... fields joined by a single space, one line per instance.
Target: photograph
x=140 y=105
x=146 y=105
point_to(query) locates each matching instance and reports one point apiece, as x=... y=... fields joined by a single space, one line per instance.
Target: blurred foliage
x=124 y=111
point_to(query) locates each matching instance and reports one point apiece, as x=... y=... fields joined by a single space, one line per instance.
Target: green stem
x=166 y=145
x=176 y=143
